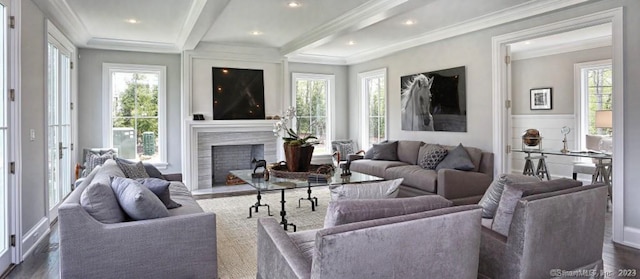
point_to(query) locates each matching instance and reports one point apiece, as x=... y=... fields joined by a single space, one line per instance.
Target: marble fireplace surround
x=202 y=135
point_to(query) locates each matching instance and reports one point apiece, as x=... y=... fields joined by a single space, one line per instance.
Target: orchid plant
x=281 y=128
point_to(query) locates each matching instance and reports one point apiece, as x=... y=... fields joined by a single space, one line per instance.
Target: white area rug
x=237 y=234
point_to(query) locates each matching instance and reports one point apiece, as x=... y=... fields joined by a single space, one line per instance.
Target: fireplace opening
x=225 y=158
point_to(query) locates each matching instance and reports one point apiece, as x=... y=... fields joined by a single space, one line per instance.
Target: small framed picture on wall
x=540 y=98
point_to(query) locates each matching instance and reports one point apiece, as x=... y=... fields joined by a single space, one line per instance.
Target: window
x=135 y=118
x=373 y=121
x=313 y=95
x=595 y=91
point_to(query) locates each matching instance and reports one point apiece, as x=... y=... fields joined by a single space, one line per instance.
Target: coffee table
x=282 y=184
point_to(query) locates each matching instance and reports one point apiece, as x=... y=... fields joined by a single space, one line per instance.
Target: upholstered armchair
x=439 y=243
x=597 y=143
x=558 y=230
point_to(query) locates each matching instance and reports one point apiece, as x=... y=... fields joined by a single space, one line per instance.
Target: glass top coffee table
x=282 y=184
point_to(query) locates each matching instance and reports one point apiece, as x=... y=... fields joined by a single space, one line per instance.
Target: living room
x=471 y=38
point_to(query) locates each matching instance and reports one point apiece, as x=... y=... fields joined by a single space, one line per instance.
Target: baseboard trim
x=34 y=236
x=631 y=237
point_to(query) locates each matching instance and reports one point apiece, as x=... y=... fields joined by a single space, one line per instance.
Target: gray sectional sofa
x=461 y=187
x=182 y=245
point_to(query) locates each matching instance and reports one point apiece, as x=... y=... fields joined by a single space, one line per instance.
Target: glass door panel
x=5 y=201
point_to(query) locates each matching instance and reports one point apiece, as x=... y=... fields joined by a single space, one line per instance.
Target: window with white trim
x=134 y=121
x=313 y=95
x=596 y=90
x=373 y=120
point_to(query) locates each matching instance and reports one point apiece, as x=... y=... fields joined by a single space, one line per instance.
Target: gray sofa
x=417 y=245
x=182 y=245
x=461 y=187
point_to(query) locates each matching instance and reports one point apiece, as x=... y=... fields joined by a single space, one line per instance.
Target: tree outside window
x=312 y=94
x=599 y=90
x=135 y=115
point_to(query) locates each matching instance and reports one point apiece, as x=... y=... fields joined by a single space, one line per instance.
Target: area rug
x=237 y=234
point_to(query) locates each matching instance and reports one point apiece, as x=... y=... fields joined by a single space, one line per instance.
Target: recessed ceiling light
x=256 y=33
x=409 y=22
x=351 y=43
x=527 y=42
x=293 y=4
x=132 y=20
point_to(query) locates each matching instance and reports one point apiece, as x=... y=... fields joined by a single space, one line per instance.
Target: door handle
x=60 y=148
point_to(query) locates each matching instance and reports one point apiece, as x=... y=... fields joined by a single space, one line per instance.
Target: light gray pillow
x=135 y=170
x=374 y=190
x=491 y=198
x=100 y=202
x=433 y=155
x=514 y=192
x=137 y=201
x=349 y=211
x=151 y=170
x=160 y=188
x=387 y=151
x=457 y=159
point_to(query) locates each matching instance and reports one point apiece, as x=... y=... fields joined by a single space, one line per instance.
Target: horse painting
x=416 y=104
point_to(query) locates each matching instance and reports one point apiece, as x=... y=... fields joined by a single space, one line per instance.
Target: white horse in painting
x=416 y=102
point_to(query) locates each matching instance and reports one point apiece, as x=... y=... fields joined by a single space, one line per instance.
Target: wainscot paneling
x=549 y=127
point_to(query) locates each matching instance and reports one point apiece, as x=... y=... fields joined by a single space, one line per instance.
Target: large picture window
x=312 y=94
x=136 y=115
x=373 y=120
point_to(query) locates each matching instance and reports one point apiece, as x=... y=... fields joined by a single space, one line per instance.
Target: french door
x=5 y=201
x=59 y=126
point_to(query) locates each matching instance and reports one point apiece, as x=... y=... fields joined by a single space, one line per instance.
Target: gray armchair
x=440 y=243
x=561 y=230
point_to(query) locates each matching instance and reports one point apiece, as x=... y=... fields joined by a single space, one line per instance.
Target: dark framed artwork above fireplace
x=238 y=93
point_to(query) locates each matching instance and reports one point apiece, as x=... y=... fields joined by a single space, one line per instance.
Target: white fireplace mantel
x=193 y=127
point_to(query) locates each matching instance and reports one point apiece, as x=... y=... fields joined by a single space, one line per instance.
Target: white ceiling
x=316 y=31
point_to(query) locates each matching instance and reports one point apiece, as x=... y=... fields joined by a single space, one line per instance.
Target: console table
x=601 y=174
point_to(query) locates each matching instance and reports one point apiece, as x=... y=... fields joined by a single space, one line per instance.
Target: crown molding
x=316 y=59
x=358 y=18
x=201 y=16
x=563 y=48
x=518 y=12
x=142 y=46
x=61 y=14
x=237 y=53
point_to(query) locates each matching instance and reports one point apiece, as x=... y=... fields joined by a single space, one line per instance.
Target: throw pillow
x=491 y=198
x=433 y=155
x=151 y=170
x=385 y=151
x=458 y=159
x=514 y=192
x=94 y=159
x=135 y=170
x=345 y=149
x=160 y=188
x=375 y=190
x=136 y=200
x=349 y=211
x=100 y=202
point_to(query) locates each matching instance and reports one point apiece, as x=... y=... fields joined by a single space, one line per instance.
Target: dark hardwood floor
x=44 y=262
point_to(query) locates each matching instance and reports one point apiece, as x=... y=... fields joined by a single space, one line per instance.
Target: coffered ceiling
x=327 y=31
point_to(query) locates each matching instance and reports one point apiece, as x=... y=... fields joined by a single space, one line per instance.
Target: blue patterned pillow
x=433 y=155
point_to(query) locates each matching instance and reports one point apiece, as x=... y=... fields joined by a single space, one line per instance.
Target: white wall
x=474 y=51
x=90 y=105
x=33 y=97
x=555 y=71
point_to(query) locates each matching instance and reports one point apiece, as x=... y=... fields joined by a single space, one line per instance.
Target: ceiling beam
x=366 y=14
x=201 y=17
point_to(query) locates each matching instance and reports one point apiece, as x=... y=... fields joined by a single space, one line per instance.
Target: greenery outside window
x=313 y=95
x=135 y=117
x=373 y=120
x=596 y=90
